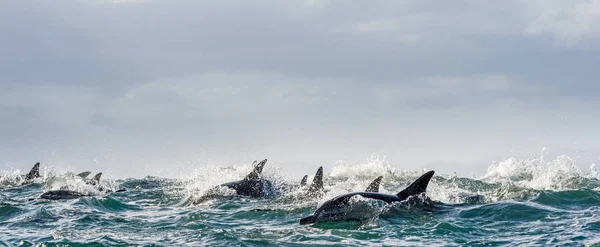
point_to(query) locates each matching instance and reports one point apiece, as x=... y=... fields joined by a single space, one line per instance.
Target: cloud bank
x=162 y=87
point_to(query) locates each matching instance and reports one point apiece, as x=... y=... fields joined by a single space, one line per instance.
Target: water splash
x=517 y=203
x=561 y=173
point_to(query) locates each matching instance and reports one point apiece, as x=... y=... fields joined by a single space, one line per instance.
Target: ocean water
x=531 y=201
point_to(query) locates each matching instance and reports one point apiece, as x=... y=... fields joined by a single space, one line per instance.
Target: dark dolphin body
x=33 y=173
x=316 y=187
x=332 y=210
x=317 y=183
x=95 y=180
x=62 y=195
x=29 y=177
x=252 y=185
x=70 y=194
x=67 y=194
x=317 y=190
x=294 y=192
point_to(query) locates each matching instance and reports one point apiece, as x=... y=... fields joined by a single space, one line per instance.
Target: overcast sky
x=163 y=87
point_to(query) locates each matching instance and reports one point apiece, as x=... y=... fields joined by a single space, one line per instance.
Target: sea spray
x=528 y=201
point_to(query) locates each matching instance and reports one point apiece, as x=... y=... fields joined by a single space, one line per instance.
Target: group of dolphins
x=64 y=193
x=336 y=209
x=254 y=185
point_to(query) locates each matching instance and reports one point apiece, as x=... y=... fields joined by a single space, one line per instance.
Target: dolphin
x=29 y=177
x=334 y=209
x=70 y=194
x=253 y=185
x=62 y=195
x=84 y=174
x=374 y=186
x=303 y=181
x=295 y=192
x=67 y=194
x=33 y=173
x=316 y=187
x=95 y=180
x=317 y=190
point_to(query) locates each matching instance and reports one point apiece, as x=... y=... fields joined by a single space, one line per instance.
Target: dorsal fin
x=96 y=179
x=303 y=181
x=417 y=187
x=317 y=183
x=256 y=173
x=34 y=172
x=84 y=174
x=374 y=186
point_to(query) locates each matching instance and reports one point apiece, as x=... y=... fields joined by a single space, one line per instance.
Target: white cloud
x=569 y=21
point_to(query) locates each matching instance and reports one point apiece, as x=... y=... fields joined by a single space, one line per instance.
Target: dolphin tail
x=417 y=187
x=374 y=186
x=255 y=174
x=317 y=183
x=34 y=172
x=84 y=174
x=303 y=181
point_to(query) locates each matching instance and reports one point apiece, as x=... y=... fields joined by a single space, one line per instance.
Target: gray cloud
x=155 y=82
x=93 y=42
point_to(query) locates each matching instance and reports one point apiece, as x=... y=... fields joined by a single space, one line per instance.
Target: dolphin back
x=34 y=172
x=257 y=172
x=317 y=183
x=61 y=195
x=96 y=179
x=417 y=187
x=252 y=185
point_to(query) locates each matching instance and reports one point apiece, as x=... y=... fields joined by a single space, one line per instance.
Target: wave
x=518 y=201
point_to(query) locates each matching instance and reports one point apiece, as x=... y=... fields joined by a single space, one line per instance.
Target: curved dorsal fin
x=303 y=181
x=256 y=173
x=84 y=174
x=317 y=183
x=374 y=186
x=96 y=179
x=417 y=187
x=34 y=172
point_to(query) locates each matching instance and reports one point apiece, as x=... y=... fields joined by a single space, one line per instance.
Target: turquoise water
x=525 y=202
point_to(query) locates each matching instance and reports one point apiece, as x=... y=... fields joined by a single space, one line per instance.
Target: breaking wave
x=518 y=201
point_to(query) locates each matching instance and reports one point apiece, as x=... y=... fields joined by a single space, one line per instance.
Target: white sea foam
x=538 y=173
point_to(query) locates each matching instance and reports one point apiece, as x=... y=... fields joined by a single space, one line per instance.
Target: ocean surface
x=530 y=201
